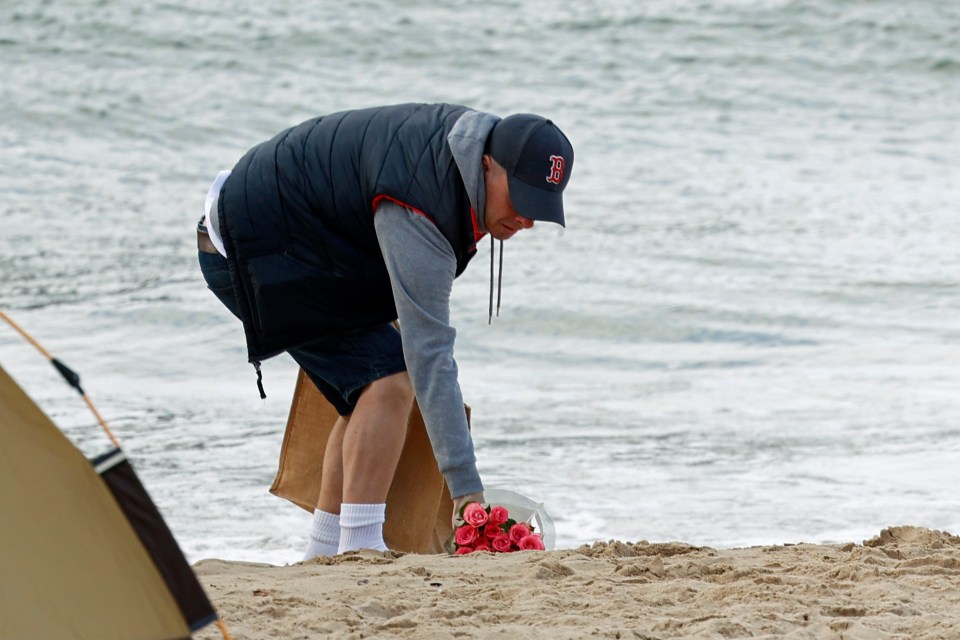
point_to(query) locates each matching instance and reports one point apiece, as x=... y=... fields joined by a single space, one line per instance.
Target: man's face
x=501 y=219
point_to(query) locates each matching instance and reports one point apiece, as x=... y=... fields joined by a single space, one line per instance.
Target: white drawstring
x=499 y=281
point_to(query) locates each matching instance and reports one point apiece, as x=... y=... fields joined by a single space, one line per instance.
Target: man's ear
x=487 y=162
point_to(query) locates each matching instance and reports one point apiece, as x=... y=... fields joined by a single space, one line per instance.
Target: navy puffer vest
x=297 y=219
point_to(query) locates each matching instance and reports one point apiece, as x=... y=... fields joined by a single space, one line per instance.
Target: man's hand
x=462 y=500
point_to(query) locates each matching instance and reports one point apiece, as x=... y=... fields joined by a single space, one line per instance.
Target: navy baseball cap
x=538 y=159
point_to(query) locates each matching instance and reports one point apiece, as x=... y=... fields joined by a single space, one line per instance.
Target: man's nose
x=526 y=223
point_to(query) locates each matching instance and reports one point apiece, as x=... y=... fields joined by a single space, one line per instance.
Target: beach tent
x=84 y=553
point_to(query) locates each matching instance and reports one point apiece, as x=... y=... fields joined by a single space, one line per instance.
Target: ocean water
x=748 y=333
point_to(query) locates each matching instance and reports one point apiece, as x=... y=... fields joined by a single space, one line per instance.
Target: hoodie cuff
x=463 y=480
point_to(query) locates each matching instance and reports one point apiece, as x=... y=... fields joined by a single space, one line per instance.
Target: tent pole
x=69 y=375
x=223 y=630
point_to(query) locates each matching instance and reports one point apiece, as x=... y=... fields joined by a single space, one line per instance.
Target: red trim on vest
x=382 y=197
x=477 y=234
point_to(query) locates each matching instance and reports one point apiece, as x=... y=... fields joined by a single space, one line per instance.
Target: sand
x=904 y=583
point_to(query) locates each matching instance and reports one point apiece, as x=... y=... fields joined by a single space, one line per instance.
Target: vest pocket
x=288 y=298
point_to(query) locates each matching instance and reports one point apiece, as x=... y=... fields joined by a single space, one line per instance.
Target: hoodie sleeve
x=422 y=266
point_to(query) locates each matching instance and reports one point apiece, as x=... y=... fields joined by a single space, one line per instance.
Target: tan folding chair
x=418 y=504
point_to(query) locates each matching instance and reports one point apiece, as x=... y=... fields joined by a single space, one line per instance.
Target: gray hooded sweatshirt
x=422 y=266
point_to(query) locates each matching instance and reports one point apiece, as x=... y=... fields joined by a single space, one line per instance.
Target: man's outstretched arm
x=422 y=266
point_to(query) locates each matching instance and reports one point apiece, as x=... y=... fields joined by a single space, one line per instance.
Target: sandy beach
x=903 y=583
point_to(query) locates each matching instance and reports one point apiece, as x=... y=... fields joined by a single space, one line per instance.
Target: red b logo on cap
x=556 y=170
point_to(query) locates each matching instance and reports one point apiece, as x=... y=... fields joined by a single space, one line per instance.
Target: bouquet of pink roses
x=491 y=528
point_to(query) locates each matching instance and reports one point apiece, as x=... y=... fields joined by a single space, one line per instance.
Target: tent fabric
x=71 y=564
x=156 y=536
x=418 y=503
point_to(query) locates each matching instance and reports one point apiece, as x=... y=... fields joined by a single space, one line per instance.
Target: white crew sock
x=361 y=527
x=324 y=535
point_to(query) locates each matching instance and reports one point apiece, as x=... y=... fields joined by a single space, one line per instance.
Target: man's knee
x=393 y=388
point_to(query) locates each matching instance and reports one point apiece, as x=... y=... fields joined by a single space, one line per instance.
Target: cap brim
x=536 y=204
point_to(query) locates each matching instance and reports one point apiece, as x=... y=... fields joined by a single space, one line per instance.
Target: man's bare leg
x=325 y=529
x=372 y=443
x=331 y=483
x=359 y=462
x=374 y=440
x=370 y=447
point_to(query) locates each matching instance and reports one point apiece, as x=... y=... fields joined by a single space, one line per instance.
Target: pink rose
x=462 y=551
x=483 y=545
x=532 y=541
x=475 y=515
x=465 y=535
x=502 y=543
x=491 y=530
x=519 y=531
x=498 y=515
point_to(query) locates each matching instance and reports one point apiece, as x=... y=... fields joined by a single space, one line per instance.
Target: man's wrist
x=463 y=481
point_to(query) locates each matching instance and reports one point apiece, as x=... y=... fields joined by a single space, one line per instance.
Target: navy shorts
x=341 y=365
